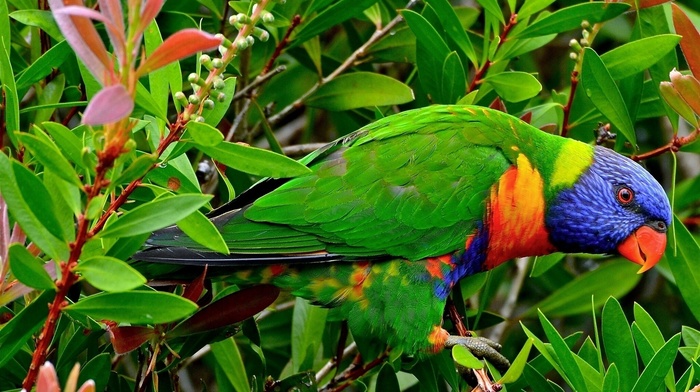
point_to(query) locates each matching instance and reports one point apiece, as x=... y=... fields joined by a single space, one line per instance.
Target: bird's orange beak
x=644 y=247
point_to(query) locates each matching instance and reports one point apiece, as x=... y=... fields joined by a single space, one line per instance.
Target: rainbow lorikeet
x=393 y=215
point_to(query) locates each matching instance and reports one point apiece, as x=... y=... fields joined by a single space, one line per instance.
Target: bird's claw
x=480 y=347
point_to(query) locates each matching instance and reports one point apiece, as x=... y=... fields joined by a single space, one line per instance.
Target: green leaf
x=387 y=380
x=136 y=307
x=493 y=8
x=652 y=378
x=38 y=18
x=575 y=296
x=145 y=100
x=543 y=263
x=213 y=116
x=28 y=269
x=464 y=357
x=453 y=28
x=358 y=90
x=255 y=160
x=618 y=343
x=228 y=357
x=31 y=206
x=648 y=327
x=514 y=86
x=97 y=369
x=611 y=382
x=110 y=274
x=431 y=53
x=454 y=84
x=155 y=215
x=518 y=366
x=204 y=134
x=158 y=79
x=7 y=78
x=44 y=65
x=16 y=332
x=50 y=156
x=637 y=56
x=137 y=169
x=570 y=18
x=566 y=358
x=203 y=231
x=683 y=263
x=530 y=7
x=66 y=141
x=604 y=94
x=337 y=13
x=308 y=324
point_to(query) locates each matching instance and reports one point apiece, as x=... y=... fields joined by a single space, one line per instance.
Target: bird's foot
x=482 y=348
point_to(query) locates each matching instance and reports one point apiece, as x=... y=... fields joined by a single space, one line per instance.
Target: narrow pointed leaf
x=514 y=86
x=450 y=22
x=136 y=307
x=44 y=65
x=15 y=334
x=618 y=343
x=203 y=231
x=358 y=90
x=564 y=355
x=155 y=215
x=50 y=157
x=637 y=56
x=611 y=382
x=228 y=310
x=255 y=160
x=183 y=43
x=110 y=274
x=28 y=269
x=464 y=357
x=570 y=18
x=683 y=265
x=204 y=134
x=229 y=358
x=652 y=378
x=691 y=38
x=128 y=338
x=604 y=94
x=518 y=366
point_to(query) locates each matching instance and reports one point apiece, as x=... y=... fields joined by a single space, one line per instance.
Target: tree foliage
x=120 y=118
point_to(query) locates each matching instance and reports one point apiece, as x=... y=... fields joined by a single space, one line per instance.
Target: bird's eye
x=625 y=195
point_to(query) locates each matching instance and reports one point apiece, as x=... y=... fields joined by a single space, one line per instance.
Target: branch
x=484 y=68
x=282 y=44
x=673 y=146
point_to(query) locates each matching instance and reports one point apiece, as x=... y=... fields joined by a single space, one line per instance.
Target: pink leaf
x=109 y=105
x=182 y=44
x=112 y=10
x=150 y=9
x=47 y=381
x=84 y=39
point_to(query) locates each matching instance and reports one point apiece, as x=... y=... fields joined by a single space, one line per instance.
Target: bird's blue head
x=614 y=207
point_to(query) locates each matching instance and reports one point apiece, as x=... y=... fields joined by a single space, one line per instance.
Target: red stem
x=567 y=108
x=484 y=68
x=282 y=44
x=674 y=145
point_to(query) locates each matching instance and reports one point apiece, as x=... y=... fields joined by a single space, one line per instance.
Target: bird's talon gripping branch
x=480 y=347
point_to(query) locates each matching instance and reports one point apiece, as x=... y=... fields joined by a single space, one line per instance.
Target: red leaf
x=527 y=117
x=228 y=310
x=194 y=290
x=47 y=380
x=84 y=39
x=126 y=339
x=109 y=105
x=182 y=44
x=690 y=41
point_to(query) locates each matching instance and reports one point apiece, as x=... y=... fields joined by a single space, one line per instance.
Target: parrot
x=390 y=217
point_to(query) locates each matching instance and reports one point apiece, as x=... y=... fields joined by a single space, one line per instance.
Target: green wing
x=412 y=185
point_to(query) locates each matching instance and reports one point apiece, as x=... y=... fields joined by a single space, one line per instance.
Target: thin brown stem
x=481 y=72
x=296 y=20
x=567 y=108
x=673 y=146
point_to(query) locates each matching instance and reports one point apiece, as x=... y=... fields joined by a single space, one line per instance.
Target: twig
x=569 y=102
x=353 y=372
x=349 y=62
x=238 y=120
x=674 y=145
x=261 y=79
x=323 y=372
x=509 y=304
x=282 y=44
x=484 y=68
x=301 y=149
